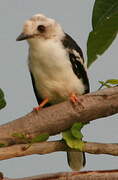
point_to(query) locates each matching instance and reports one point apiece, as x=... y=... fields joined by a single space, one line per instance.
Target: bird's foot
x=73 y=98
x=41 y=105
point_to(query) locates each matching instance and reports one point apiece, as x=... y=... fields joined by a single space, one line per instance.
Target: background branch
x=60 y=117
x=53 y=146
x=106 y=174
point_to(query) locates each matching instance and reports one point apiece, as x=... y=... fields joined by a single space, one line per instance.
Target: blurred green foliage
x=105 y=28
x=2 y=99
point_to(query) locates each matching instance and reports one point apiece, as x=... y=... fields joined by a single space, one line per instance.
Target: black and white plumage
x=56 y=65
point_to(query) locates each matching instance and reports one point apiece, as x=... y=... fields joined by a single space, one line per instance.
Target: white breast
x=52 y=71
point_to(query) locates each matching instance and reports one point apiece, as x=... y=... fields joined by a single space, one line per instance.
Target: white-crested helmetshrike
x=57 y=68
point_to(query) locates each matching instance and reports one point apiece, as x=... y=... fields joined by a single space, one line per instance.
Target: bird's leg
x=73 y=98
x=41 y=105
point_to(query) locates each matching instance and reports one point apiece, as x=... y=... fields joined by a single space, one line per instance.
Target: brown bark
x=60 y=117
x=53 y=146
x=85 y=175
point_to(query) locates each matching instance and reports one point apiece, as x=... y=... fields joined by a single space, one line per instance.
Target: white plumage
x=52 y=71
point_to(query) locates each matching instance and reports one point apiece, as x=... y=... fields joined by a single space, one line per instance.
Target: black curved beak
x=23 y=36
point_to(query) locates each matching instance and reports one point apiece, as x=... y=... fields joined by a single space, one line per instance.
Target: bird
x=57 y=67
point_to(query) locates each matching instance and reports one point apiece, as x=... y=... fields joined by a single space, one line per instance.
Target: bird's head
x=40 y=27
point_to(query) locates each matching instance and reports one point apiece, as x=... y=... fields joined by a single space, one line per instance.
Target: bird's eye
x=41 y=28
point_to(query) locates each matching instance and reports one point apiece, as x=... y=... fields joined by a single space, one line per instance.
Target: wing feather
x=76 y=59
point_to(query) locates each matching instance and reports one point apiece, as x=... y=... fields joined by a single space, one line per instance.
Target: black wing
x=77 y=60
x=38 y=97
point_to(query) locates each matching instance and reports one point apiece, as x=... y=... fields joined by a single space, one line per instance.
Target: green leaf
x=105 y=28
x=2 y=100
x=2 y=145
x=104 y=84
x=112 y=81
x=1 y=93
x=71 y=141
x=103 y=9
x=19 y=135
x=101 y=38
x=78 y=126
x=76 y=130
x=109 y=81
x=40 y=138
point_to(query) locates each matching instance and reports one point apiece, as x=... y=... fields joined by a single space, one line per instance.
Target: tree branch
x=101 y=175
x=60 y=117
x=56 y=119
x=53 y=146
